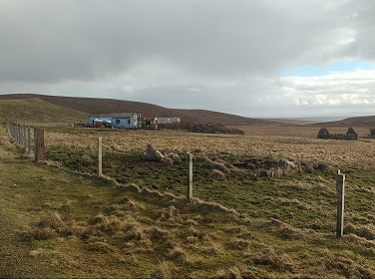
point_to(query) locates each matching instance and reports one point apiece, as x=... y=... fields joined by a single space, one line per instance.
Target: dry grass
x=277 y=142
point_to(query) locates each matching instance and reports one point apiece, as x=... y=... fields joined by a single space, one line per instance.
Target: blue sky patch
x=340 y=66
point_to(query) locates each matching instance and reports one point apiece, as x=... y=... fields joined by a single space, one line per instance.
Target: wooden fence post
x=340 y=185
x=18 y=131
x=29 y=140
x=189 y=194
x=100 y=157
x=39 y=154
x=24 y=135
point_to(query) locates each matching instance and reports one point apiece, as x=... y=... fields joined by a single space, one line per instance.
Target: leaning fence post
x=189 y=194
x=39 y=154
x=100 y=157
x=340 y=186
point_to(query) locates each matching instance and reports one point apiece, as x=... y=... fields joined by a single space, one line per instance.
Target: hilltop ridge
x=81 y=107
x=98 y=105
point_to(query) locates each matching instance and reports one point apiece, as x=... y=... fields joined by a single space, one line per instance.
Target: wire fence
x=29 y=138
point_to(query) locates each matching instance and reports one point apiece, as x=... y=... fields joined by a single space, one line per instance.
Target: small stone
x=24 y=156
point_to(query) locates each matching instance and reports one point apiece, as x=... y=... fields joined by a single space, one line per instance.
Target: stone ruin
x=372 y=133
x=350 y=134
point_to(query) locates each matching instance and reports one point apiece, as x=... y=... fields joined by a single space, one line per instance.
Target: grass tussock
x=281 y=262
x=178 y=255
x=212 y=206
x=163 y=271
x=343 y=265
x=238 y=272
x=49 y=227
x=194 y=235
x=367 y=232
x=219 y=164
x=109 y=224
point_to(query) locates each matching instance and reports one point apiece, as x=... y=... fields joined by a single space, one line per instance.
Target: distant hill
x=37 y=110
x=69 y=109
x=97 y=105
x=368 y=122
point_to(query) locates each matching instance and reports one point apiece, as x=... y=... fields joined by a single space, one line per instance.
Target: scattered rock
x=152 y=154
x=167 y=161
x=174 y=157
x=24 y=156
x=262 y=173
x=321 y=166
x=271 y=173
x=307 y=167
x=217 y=175
x=287 y=165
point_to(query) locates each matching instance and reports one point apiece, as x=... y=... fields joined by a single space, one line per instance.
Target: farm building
x=114 y=120
x=150 y=122
x=166 y=120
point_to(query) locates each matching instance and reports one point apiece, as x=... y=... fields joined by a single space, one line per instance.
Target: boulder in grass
x=152 y=154
x=261 y=173
x=287 y=165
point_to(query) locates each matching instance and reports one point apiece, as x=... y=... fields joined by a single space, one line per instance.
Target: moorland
x=251 y=217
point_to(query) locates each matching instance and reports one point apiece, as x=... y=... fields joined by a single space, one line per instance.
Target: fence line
x=18 y=133
x=22 y=135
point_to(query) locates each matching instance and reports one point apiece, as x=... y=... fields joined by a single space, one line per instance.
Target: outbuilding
x=168 y=120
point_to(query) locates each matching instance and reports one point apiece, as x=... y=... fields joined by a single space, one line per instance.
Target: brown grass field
x=298 y=143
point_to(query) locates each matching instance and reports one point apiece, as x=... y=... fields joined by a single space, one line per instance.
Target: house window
x=118 y=121
x=128 y=121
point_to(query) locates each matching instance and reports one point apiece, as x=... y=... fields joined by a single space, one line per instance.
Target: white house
x=115 y=120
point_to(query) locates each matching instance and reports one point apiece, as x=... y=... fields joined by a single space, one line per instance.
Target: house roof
x=112 y=115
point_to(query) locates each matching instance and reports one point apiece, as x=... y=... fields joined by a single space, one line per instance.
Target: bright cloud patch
x=336 y=89
x=337 y=67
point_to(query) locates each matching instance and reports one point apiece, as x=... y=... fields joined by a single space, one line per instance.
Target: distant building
x=166 y=120
x=114 y=120
x=150 y=123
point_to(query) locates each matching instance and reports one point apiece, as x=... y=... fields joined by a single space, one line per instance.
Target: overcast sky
x=256 y=58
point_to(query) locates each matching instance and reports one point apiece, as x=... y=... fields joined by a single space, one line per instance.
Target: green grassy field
x=62 y=224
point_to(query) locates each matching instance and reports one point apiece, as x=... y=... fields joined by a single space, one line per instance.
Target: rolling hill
x=39 y=107
x=37 y=110
x=366 y=121
x=84 y=106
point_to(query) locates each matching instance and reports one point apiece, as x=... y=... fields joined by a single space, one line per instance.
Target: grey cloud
x=155 y=51
x=55 y=40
